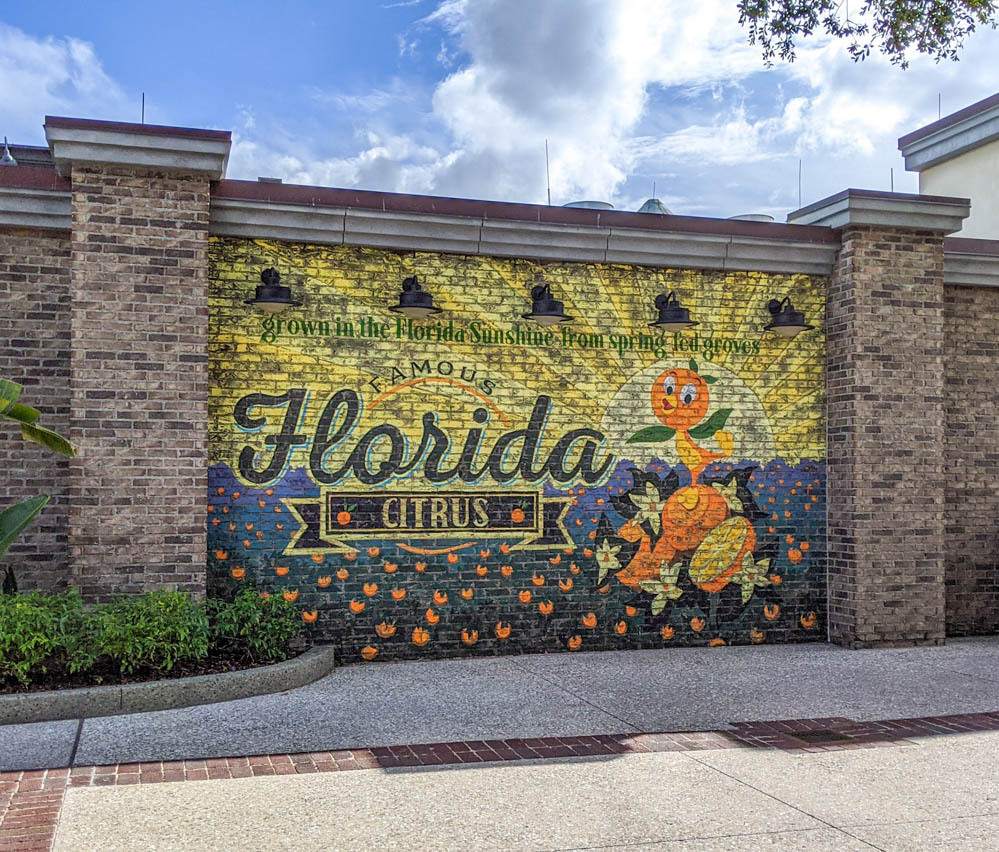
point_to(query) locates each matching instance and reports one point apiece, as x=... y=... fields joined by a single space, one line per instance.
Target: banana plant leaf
x=14 y=519
x=47 y=438
x=22 y=413
x=10 y=392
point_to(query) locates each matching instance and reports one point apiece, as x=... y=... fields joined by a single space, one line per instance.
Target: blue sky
x=457 y=97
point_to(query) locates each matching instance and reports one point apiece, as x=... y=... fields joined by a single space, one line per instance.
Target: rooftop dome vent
x=590 y=205
x=654 y=205
x=753 y=217
x=7 y=159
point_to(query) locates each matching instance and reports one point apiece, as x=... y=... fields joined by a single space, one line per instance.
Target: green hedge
x=153 y=632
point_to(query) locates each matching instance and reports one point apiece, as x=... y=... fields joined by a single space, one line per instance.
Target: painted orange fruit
x=467 y=594
x=604 y=590
x=517 y=516
x=440 y=598
x=469 y=637
x=716 y=643
x=323 y=582
x=420 y=636
x=342 y=574
x=431 y=617
x=556 y=560
x=260 y=534
x=667 y=632
x=369 y=652
x=794 y=555
x=221 y=555
x=398 y=594
x=215 y=522
x=719 y=556
x=420 y=567
x=690 y=514
x=277 y=510
x=525 y=596
x=291 y=595
x=592 y=535
x=452 y=559
x=225 y=510
x=238 y=573
x=804 y=545
x=248 y=527
x=567 y=550
x=809 y=621
x=350 y=555
x=697 y=624
x=310 y=617
x=574 y=568
x=590 y=620
x=262 y=503
x=538 y=579
x=318 y=558
x=484 y=554
x=587 y=552
x=343 y=517
x=575 y=642
x=546 y=607
x=502 y=630
x=391 y=567
x=481 y=570
x=357 y=607
x=504 y=548
x=621 y=628
x=776 y=579
x=771 y=611
x=630 y=611
x=281 y=570
x=374 y=551
x=269 y=492
x=220 y=491
x=565 y=585
x=757 y=635
x=370 y=589
x=789 y=538
x=506 y=570
x=235 y=495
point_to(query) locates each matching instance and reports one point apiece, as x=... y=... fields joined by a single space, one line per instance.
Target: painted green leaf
x=10 y=392
x=747 y=592
x=715 y=422
x=47 y=438
x=674 y=593
x=602 y=574
x=651 y=586
x=652 y=435
x=14 y=519
x=709 y=380
x=22 y=413
x=658 y=604
x=693 y=365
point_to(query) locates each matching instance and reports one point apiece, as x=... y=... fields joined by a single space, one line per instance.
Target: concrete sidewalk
x=936 y=793
x=535 y=696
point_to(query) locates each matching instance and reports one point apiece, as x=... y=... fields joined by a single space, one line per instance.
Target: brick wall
x=138 y=378
x=972 y=459
x=34 y=351
x=887 y=472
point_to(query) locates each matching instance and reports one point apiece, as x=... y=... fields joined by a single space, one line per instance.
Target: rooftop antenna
x=799 y=183
x=653 y=189
x=143 y=107
x=892 y=179
x=939 y=103
x=548 y=175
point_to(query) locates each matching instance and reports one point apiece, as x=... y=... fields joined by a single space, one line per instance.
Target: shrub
x=257 y=627
x=41 y=632
x=156 y=630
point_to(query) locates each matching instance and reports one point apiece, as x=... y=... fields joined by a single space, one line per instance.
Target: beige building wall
x=975 y=175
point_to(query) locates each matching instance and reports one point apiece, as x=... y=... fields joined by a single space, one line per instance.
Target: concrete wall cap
x=154 y=147
x=886 y=209
x=27 y=207
x=952 y=135
x=971 y=263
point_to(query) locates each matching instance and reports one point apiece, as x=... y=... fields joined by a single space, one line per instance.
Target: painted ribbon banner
x=475 y=484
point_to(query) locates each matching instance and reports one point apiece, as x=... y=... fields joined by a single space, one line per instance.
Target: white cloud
x=54 y=76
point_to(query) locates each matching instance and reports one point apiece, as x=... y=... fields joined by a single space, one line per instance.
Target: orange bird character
x=680 y=401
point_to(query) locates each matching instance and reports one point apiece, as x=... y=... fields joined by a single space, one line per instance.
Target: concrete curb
x=166 y=694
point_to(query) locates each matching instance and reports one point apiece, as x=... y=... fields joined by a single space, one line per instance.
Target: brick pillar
x=887 y=476
x=138 y=360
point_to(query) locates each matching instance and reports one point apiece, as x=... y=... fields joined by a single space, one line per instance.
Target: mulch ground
x=30 y=802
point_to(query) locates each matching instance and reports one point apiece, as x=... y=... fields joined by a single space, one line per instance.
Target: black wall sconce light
x=414 y=301
x=672 y=315
x=787 y=322
x=271 y=297
x=545 y=309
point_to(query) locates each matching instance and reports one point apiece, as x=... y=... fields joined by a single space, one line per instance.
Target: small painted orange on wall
x=369 y=652
x=546 y=607
x=757 y=635
x=342 y=574
x=506 y=570
x=574 y=643
x=420 y=567
x=431 y=617
x=356 y=607
x=590 y=620
x=538 y=579
x=440 y=598
x=420 y=636
x=318 y=558
x=370 y=589
x=565 y=585
x=310 y=617
x=502 y=630
x=481 y=570
x=391 y=567
x=809 y=620
x=621 y=628
x=374 y=551
x=323 y=582
x=385 y=630
x=469 y=637
x=467 y=594
x=291 y=595
x=771 y=611
x=452 y=558
x=398 y=594
x=525 y=596
x=667 y=632
x=697 y=624
x=281 y=570
x=238 y=573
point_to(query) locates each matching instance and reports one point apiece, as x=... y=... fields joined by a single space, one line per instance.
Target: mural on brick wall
x=474 y=483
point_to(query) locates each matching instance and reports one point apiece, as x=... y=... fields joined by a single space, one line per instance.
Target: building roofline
x=129 y=127
x=315 y=196
x=949 y=120
x=951 y=136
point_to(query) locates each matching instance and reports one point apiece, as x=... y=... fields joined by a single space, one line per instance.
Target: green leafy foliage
x=652 y=435
x=156 y=630
x=15 y=518
x=42 y=632
x=252 y=626
x=895 y=28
